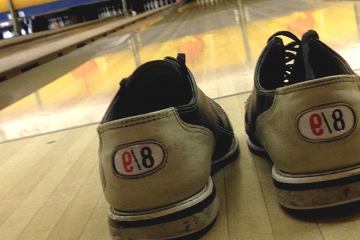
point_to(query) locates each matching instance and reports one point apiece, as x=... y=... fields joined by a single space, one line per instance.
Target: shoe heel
x=189 y=218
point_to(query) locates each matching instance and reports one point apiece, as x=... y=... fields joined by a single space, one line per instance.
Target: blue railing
x=50 y=7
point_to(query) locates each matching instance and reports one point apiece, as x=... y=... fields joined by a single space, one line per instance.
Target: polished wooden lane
x=50 y=189
x=222 y=40
x=15 y=58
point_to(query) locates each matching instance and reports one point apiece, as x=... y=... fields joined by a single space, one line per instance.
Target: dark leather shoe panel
x=205 y=112
x=257 y=103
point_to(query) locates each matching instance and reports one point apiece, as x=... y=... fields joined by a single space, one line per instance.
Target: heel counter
x=313 y=126
x=153 y=160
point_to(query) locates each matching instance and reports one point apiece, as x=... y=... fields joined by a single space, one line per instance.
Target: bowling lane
x=222 y=40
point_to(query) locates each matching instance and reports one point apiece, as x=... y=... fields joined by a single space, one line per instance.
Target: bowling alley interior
x=62 y=63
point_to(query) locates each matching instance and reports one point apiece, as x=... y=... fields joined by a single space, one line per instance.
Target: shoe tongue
x=279 y=62
x=298 y=72
x=157 y=72
x=150 y=73
x=153 y=86
x=305 y=47
x=302 y=69
x=288 y=66
x=273 y=64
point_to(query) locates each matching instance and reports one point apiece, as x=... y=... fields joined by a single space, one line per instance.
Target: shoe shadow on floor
x=343 y=213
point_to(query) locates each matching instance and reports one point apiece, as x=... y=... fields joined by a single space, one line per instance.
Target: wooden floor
x=50 y=189
x=50 y=186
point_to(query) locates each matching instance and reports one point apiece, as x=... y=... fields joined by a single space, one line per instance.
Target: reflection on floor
x=222 y=40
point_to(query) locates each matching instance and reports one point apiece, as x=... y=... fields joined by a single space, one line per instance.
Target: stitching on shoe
x=155 y=117
x=192 y=128
x=317 y=83
x=269 y=113
x=133 y=122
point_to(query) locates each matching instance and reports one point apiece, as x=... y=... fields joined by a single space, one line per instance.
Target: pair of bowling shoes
x=162 y=139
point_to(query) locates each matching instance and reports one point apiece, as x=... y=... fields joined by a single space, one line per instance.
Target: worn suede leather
x=276 y=128
x=188 y=148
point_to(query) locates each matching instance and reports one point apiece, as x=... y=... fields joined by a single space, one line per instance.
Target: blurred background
x=45 y=88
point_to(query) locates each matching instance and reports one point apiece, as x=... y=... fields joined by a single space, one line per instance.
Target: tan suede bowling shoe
x=303 y=113
x=159 y=142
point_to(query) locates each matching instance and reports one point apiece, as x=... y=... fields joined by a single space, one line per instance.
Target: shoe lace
x=123 y=82
x=291 y=50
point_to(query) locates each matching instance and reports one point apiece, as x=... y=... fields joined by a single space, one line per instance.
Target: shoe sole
x=189 y=219
x=314 y=191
